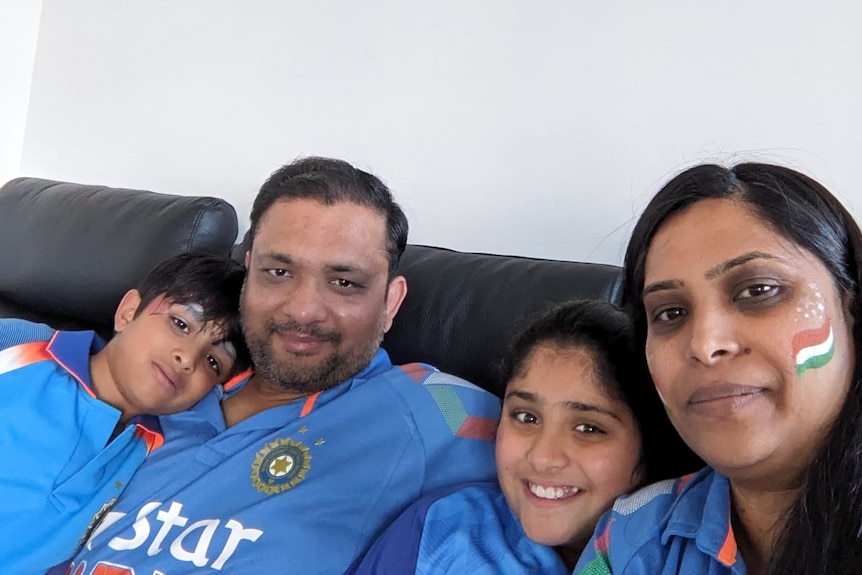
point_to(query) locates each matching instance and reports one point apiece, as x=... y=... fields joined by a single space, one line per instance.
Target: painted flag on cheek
x=813 y=348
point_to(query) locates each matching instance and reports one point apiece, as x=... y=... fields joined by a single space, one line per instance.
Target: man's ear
x=395 y=294
x=126 y=310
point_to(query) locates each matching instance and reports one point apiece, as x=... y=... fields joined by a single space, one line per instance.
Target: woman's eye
x=587 y=428
x=525 y=417
x=180 y=323
x=669 y=314
x=214 y=364
x=762 y=291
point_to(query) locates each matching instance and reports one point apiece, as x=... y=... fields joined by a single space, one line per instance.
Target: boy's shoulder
x=14 y=332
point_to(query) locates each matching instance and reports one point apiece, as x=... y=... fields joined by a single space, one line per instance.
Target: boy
x=77 y=415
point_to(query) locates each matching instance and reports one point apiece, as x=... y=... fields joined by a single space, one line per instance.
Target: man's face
x=317 y=299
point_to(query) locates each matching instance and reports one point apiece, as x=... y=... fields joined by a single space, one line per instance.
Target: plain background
x=533 y=128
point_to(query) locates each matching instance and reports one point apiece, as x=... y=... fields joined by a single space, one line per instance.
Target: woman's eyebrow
x=713 y=272
x=724 y=267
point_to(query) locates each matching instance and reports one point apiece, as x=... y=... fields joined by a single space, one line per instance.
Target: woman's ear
x=126 y=310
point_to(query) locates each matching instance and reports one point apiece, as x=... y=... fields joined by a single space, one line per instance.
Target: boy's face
x=163 y=359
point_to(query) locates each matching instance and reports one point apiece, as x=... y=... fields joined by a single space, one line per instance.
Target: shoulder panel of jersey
x=469 y=411
x=17 y=331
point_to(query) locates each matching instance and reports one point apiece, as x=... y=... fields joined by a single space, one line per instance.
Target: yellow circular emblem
x=280 y=465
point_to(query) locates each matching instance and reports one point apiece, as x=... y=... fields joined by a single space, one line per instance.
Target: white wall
x=19 y=32
x=536 y=128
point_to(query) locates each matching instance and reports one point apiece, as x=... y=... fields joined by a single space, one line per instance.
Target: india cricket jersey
x=469 y=529
x=299 y=488
x=58 y=471
x=674 y=527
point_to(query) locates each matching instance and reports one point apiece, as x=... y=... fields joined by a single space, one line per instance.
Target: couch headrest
x=463 y=310
x=70 y=251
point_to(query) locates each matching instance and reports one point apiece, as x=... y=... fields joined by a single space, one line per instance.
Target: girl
x=576 y=407
x=744 y=284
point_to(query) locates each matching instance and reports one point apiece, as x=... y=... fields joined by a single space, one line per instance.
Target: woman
x=744 y=285
x=576 y=405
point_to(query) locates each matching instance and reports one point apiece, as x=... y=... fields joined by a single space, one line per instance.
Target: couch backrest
x=68 y=252
x=463 y=310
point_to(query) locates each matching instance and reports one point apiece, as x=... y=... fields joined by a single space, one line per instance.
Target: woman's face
x=565 y=450
x=749 y=342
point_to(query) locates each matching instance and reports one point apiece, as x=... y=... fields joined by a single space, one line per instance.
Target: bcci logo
x=279 y=466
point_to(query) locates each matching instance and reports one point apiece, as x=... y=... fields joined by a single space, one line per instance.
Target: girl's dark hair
x=822 y=530
x=606 y=333
x=213 y=282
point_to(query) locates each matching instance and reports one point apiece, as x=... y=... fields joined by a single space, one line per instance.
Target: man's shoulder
x=426 y=392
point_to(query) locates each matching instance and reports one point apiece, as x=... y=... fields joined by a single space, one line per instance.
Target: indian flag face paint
x=813 y=348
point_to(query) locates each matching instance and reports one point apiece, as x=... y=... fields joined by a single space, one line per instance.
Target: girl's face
x=749 y=342
x=565 y=450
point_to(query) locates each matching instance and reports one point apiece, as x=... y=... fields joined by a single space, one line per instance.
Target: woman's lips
x=723 y=399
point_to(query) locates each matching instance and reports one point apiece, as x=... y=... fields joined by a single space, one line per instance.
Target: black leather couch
x=68 y=252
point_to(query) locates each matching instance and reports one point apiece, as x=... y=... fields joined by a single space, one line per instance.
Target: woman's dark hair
x=822 y=530
x=606 y=334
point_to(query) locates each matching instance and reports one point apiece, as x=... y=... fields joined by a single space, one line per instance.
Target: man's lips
x=302 y=343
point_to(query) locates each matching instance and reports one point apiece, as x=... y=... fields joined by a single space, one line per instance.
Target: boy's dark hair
x=606 y=333
x=213 y=282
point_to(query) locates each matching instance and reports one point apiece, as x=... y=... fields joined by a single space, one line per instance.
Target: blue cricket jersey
x=674 y=527
x=299 y=488
x=59 y=472
x=470 y=529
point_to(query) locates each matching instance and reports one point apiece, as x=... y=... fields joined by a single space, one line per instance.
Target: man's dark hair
x=210 y=281
x=330 y=181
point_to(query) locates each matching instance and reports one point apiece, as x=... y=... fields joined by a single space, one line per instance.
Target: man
x=299 y=467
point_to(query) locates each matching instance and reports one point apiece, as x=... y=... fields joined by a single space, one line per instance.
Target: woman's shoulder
x=644 y=520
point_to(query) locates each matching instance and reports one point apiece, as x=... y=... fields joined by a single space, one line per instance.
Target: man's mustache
x=305 y=330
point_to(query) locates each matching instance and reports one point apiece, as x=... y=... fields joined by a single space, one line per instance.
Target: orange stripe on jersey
x=153 y=439
x=234 y=381
x=309 y=404
x=18 y=356
x=416 y=371
x=727 y=553
x=70 y=370
x=683 y=481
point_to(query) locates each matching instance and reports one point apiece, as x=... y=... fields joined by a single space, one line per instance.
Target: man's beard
x=329 y=372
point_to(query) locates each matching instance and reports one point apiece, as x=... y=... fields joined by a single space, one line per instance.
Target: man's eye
x=213 y=362
x=343 y=283
x=524 y=417
x=180 y=323
x=762 y=291
x=277 y=272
